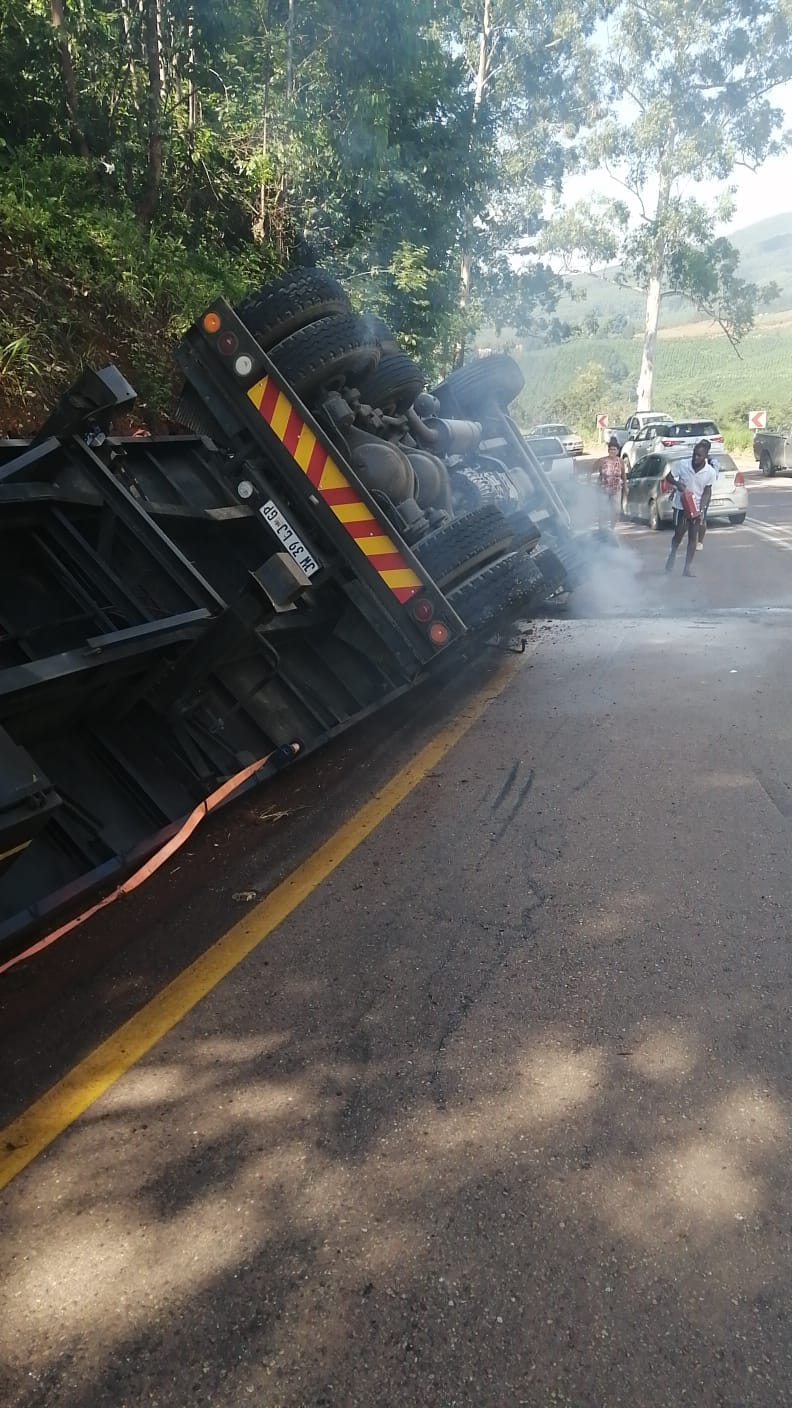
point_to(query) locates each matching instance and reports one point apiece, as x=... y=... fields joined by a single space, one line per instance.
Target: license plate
x=293 y=545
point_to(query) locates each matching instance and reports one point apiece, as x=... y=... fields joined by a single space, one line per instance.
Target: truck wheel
x=504 y=588
x=551 y=568
x=394 y=384
x=291 y=302
x=464 y=544
x=327 y=353
x=473 y=388
x=523 y=529
x=766 y=465
x=379 y=332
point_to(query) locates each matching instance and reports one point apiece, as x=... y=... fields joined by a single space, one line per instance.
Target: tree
x=691 y=86
x=529 y=77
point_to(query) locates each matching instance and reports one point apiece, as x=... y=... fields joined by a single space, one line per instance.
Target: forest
x=155 y=153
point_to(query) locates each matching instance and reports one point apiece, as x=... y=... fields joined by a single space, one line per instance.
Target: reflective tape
x=332 y=485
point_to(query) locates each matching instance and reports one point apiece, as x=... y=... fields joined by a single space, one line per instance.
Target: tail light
x=669 y=443
x=422 y=610
x=739 y=480
x=716 y=439
x=439 y=633
x=227 y=342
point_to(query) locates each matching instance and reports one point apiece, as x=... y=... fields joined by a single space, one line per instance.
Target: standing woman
x=610 y=472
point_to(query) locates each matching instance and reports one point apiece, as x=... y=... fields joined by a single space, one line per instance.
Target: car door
x=638 y=447
x=631 y=496
x=646 y=473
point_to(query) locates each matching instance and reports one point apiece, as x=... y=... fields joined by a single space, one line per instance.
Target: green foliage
x=696 y=376
x=694 y=81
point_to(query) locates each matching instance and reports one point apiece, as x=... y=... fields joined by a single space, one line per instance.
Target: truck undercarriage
x=181 y=612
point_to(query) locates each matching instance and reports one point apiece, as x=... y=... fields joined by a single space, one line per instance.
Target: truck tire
x=506 y=587
x=523 y=529
x=464 y=544
x=551 y=568
x=326 y=353
x=475 y=387
x=766 y=465
x=291 y=302
x=394 y=383
x=380 y=332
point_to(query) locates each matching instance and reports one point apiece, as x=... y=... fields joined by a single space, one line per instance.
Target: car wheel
x=766 y=465
x=654 y=515
x=736 y=519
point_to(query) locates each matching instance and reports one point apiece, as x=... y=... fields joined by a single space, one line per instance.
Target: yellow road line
x=36 y=1128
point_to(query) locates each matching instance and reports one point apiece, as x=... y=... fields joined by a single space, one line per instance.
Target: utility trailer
x=180 y=615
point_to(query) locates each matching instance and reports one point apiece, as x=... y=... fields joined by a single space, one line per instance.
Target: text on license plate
x=293 y=545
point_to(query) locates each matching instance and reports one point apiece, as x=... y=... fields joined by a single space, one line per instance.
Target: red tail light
x=739 y=480
x=669 y=443
x=716 y=439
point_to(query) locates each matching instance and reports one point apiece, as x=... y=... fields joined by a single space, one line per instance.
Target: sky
x=758 y=195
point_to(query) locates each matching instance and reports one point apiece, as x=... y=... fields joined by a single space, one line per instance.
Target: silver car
x=572 y=443
x=643 y=499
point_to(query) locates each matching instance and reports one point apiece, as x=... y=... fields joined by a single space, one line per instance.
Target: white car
x=652 y=439
x=572 y=443
x=553 y=458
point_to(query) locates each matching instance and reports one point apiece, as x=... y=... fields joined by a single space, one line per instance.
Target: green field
x=695 y=375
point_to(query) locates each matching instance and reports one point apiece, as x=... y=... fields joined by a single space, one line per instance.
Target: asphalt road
x=499 y=1114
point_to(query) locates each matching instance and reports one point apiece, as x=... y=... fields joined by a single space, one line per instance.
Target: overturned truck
x=181 y=614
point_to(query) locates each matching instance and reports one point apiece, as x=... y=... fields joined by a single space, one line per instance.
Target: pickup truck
x=771 y=449
x=634 y=423
x=182 y=614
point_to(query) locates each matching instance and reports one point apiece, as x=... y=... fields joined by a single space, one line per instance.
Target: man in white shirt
x=706 y=445
x=693 y=484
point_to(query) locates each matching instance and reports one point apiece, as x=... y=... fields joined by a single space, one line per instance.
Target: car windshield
x=689 y=429
x=546 y=446
x=551 y=430
x=654 y=420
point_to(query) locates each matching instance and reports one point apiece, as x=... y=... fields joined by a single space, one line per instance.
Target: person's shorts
x=681 y=517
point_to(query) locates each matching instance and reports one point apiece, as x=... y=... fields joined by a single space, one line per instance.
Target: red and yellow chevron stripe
x=333 y=486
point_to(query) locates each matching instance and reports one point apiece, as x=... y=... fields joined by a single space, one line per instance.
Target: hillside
x=697 y=373
x=765 y=256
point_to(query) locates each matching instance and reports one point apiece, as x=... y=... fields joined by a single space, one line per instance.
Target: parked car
x=553 y=458
x=654 y=438
x=773 y=451
x=644 y=442
x=572 y=443
x=644 y=500
x=691 y=431
x=637 y=422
